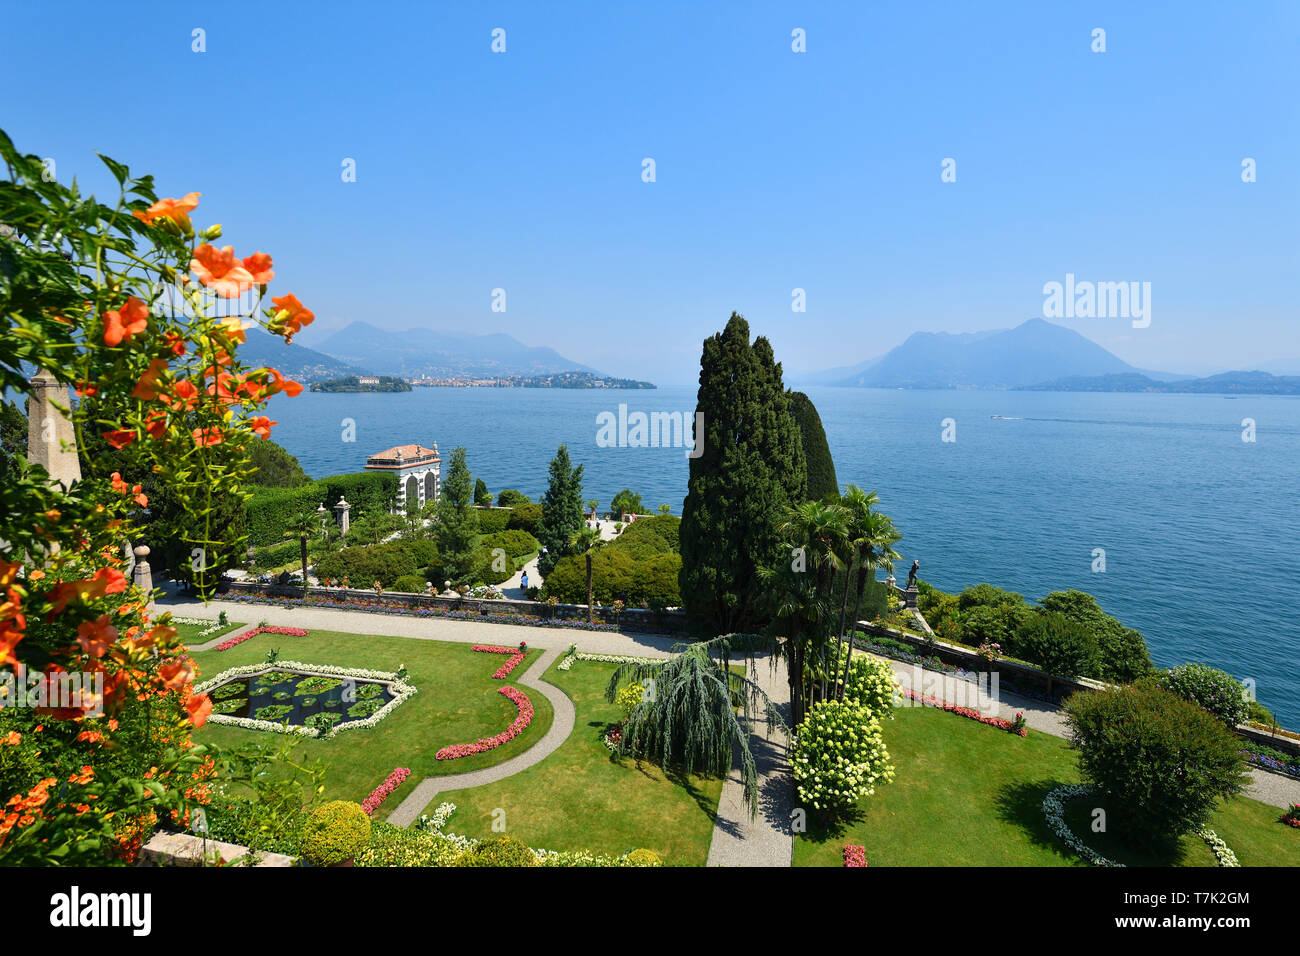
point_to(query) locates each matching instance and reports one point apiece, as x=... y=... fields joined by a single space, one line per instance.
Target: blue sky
x=774 y=169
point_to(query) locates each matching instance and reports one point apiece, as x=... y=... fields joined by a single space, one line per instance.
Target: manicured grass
x=189 y=633
x=968 y=795
x=457 y=702
x=584 y=798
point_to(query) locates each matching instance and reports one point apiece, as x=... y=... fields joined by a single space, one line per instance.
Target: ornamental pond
x=299 y=698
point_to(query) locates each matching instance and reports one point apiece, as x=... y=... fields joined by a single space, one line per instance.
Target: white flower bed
x=577 y=655
x=400 y=689
x=1054 y=811
x=439 y=818
x=1222 y=852
x=215 y=627
x=435 y=823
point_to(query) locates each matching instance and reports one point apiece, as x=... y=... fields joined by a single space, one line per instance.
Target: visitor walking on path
x=523 y=582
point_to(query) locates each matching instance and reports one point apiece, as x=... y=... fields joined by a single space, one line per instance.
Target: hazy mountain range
x=419 y=353
x=1033 y=352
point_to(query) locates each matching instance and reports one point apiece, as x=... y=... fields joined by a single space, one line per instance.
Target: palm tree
x=303 y=527
x=817 y=535
x=873 y=537
x=592 y=505
x=584 y=541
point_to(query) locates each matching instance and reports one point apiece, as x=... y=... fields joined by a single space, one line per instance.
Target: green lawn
x=583 y=798
x=457 y=702
x=968 y=795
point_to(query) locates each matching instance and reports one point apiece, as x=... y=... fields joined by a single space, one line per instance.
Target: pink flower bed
x=855 y=855
x=269 y=629
x=504 y=670
x=381 y=792
x=1015 y=727
x=491 y=743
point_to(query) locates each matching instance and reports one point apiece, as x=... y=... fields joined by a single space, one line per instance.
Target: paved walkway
x=408 y=811
x=765 y=840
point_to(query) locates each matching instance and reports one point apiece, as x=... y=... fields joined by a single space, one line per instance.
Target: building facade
x=418 y=471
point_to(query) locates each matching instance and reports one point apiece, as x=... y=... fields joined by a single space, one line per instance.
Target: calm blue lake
x=1198 y=527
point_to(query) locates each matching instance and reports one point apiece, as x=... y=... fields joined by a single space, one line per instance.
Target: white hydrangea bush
x=872 y=684
x=839 y=755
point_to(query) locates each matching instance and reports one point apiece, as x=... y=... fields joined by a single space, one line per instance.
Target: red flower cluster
x=381 y=792
x=491 y=743
x=1292 y=816
x=248 y=635
x=504 y=670
x=855 y=855
x=1012 y=726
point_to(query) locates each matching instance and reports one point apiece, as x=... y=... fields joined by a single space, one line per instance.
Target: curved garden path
x=561 y=726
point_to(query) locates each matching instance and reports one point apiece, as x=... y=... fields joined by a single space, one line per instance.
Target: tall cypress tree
x=457 y=530
x=561 y=510
x=822 y=483
x=750 y=470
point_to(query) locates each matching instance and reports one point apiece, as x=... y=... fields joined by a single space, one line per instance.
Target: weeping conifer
x=688 y=722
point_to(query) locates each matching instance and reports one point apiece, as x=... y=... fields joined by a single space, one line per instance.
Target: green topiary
x=410 y=583
x=643 y=857
x=335 y=833
x=1060 y=646
x=1162 y=762
x=819 y=466
x=503 y=851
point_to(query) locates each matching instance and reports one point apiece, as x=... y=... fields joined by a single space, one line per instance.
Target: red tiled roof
x=408 y=453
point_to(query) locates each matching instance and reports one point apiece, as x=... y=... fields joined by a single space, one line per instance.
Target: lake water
x=1197 y=525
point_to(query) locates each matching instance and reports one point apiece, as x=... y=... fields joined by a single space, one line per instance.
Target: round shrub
x=526 y=517
x=503 y=851
x=1217 y=691
x=515 y=543
x=411 y=583
x=873 y=685
x=1162 y=762
x=1058 y=645
x=1124 y=656
x=839 y=755
x=335 y=832
x=643 y=857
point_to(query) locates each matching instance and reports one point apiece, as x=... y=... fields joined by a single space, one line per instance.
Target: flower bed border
x=400 y=689
x=382 y=792
x=484 y=744
x=216 y=626
x=855 y=855
x=573 y=655
x=1054 y=812
x=504 y=670
x=1001 y=723
x=262 y=629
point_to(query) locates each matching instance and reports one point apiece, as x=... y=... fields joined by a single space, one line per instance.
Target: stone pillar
x=143 y=578
x=51 y=441
x=341 y=513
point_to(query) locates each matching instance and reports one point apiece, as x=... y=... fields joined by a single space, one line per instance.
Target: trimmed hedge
x=493 y=520
x=617 y=575
x=363 y=566
x=526 y=517
x=517 y=544
x=271 y=510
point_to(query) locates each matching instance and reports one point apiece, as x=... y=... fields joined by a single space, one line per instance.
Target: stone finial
x=51 y=441
x=143 y=578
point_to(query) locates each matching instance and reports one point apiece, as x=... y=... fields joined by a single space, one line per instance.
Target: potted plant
x=335 y=833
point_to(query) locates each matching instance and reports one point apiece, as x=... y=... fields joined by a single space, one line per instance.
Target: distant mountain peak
x=1032 y=352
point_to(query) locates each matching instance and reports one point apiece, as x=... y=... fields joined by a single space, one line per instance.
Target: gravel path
x=738 y=839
